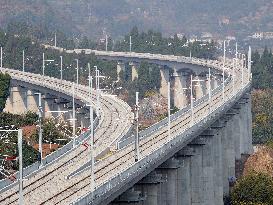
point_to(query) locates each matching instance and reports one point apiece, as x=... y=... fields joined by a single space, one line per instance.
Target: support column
x=48 y=105
x=197 y=188
x=120 y=67
x=184 y=176
x=249 y=113
x=214 y=82
x=32 y=101
x=134 y=70
x=244 y=128
x=218 y=169
x=150 y=187
x=237 y=133
x=9 y=105
x=208 y=178
x=198 y=88
x=230 y=148
x=169 y=188
x=228 y=153
x=17 y=101
x=165 y=77
x=180 y=82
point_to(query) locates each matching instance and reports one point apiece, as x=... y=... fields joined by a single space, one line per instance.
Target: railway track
x=66 y=191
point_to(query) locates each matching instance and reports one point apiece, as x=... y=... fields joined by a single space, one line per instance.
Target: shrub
x=253 y=189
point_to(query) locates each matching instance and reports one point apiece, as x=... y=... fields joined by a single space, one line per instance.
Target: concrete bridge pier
x=198 y=89
x=8 y=105
x=228 y=151
x=197 y=184
x=247 y=116
x=214 y=82
x=184 y=176
x=168 y=191
x=179 y=89
x=18 y=100
x=48 y=105
x=134 y=66
x=131 y=196
x=218 y=168
x=83 y=121
x=150 y=187
x=120 y=67
x=32 y=101
x=208 y=169
x=165 y=77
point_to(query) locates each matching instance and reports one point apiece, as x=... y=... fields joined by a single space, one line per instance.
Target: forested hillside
x=92 y=17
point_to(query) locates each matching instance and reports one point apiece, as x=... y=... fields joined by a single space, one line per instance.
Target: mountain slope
x=92 y=17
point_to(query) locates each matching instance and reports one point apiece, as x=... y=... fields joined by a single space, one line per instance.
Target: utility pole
x=44 y=65
x=233 y=75
x=20 y=160
x=77 y=61
x=90 y=80
x=249 y=63
x=74 y=115
x=209 y=87
x=20 y=145
x=130 y=43
x=23 y=60
x=169 y=108
x=106 y=43
x=55 y=40
x=224 y=52
x=1 y=54
x=40 y=128
x=98 y=90
x=191 y=102
x=223 y=74
x=242 y=69
x=61 y=57
x=92 y=148
x=137 y=125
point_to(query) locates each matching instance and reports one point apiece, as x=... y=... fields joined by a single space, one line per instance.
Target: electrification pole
x=23 y=60
x=20 y=145
x=61 y=57
x=209 y=87
x=1 y=54
x=169 y=108
x=249 y=64
x=191 y=102
x=74 y=115
x=137 y=125
x=130 y=43
x=40 y=128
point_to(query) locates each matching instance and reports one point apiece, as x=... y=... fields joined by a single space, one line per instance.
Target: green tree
x=255 y=188
x=4 y=89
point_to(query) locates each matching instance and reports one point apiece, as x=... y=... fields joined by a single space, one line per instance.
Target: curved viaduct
x=188 y=161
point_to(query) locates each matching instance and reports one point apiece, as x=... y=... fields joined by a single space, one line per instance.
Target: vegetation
x=262 y=113
x=4 y=90
x=154 y=42
x=115 y=17
x=262 y=96
x=262 y=70
x=255 y=189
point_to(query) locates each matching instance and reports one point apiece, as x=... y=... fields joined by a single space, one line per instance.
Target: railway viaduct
x=189 y=159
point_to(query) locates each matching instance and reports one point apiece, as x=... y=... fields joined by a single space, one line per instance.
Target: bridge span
x=188 y=161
